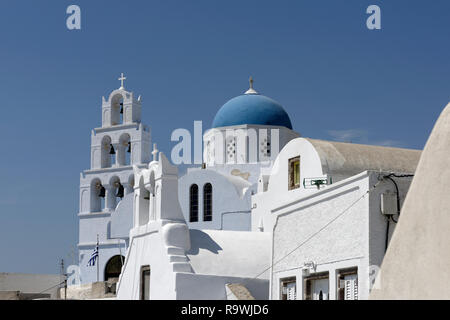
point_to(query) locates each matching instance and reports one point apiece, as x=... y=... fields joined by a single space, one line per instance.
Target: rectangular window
x=145 y=283
x=316 y=287
x=294 y=173
x=347 y=284
x=288 y=289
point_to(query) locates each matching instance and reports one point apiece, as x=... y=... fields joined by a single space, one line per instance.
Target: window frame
x=284 y=282
x=207 y=202
x=193 y=208
x=291 y=173
x=144 y=270
x=340 y=274
x=307 y=283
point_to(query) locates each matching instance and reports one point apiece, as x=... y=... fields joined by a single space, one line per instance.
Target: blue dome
x=252 y=109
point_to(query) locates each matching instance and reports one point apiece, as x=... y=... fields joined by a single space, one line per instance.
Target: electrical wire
x=37 y=294
x=391 y=217
x=318 y=231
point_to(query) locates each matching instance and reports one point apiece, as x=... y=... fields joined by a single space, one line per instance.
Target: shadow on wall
x=201 y=240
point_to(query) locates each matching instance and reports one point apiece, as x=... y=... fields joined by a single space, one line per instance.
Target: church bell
x=102 y=192
x=112 y=151
x=120 y=191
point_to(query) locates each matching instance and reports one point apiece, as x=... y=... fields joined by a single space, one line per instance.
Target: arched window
x=207 y=202
x=193 y=203
x=113 y=268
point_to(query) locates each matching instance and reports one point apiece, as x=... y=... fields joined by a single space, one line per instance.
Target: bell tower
x=122 y=107
x=121 y=142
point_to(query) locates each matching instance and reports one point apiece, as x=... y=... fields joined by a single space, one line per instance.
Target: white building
x=106 y=188
x=201 y=246
x=246 y=136
x=167 y=260
x=331 y=208
x=307 y=222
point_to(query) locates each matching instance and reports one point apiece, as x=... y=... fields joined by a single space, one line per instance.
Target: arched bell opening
x=116 y=192
x=124 y=150
x=98 y=193
x=108 y=154
x=117 y=109
x=113 y=268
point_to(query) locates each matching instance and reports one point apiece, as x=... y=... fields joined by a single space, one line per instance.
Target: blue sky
x=335 y=78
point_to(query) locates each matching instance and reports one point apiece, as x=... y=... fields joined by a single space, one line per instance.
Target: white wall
x=230 y=253
x=344 y=243
x=147 y=248
x=122 y=218
x=231 y=203
x=356 y=238
x=277 y=192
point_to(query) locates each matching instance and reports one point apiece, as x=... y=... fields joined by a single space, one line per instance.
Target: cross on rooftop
x=251 y=90
x=122 y=78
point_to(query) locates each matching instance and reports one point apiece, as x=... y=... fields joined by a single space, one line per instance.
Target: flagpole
x=98 y=258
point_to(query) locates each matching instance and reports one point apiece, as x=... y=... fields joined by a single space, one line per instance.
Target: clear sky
x=335 y=78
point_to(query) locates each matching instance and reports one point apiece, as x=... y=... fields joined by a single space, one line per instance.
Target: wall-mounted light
x=307 y=267
x=316 y=182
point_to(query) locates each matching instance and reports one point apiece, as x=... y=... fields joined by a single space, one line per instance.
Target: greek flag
x=94 y=257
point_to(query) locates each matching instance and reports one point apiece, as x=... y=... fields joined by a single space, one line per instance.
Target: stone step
x=178 y=258
x=182 y=267
x=175 y=251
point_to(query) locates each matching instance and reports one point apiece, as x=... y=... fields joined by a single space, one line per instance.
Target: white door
x=320 y=289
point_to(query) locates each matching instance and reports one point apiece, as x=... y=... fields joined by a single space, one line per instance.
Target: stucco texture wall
x=299 y=238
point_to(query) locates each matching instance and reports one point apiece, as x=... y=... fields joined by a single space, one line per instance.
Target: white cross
x=122 y=78
x=154 y=152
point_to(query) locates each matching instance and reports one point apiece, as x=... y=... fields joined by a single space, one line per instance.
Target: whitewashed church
x=269 y=214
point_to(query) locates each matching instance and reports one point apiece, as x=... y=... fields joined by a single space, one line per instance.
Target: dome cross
x=251 y=90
